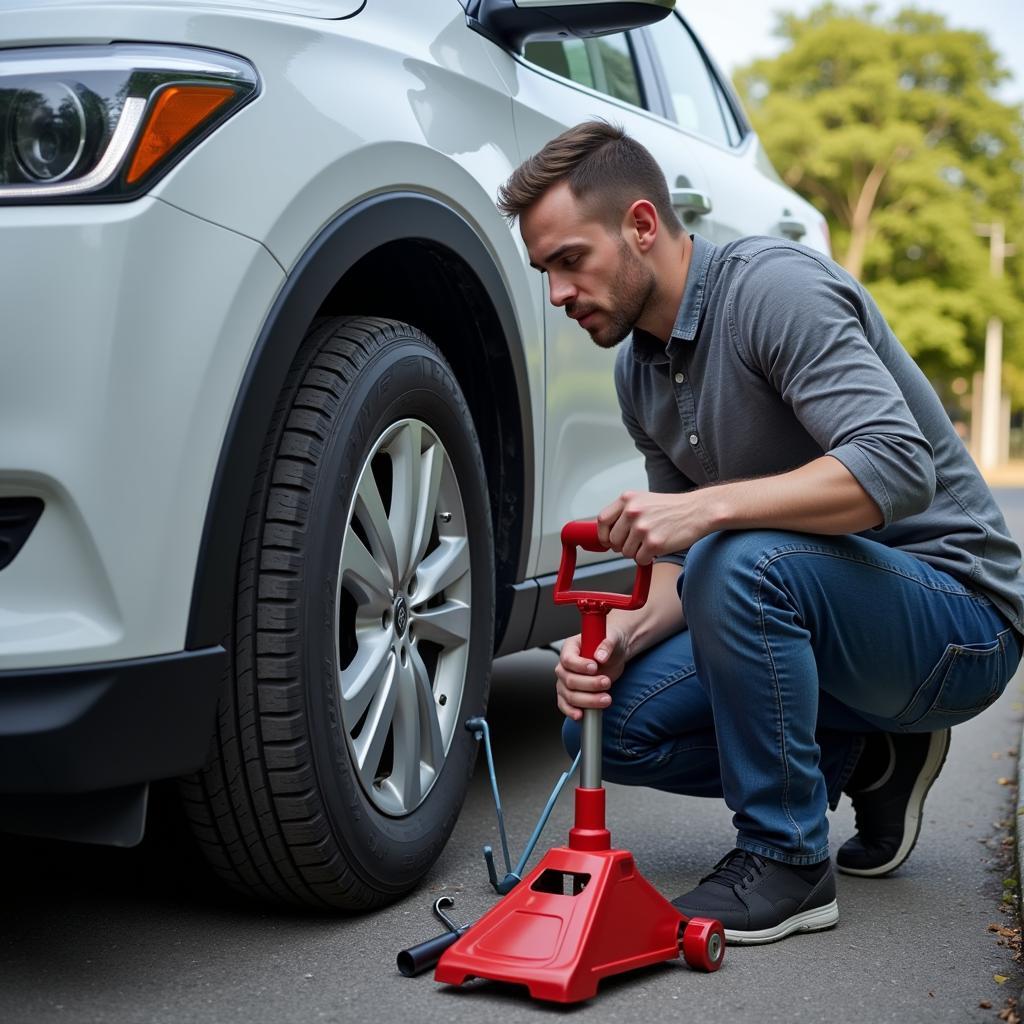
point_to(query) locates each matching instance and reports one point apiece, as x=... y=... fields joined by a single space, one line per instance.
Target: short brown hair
x=603 y=167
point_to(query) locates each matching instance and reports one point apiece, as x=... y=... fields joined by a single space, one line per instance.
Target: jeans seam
x=781 y=719
x=956 y=650
x=660 y=761
x=903 y=718
x=809 y=549
x=762 y=850
x=652 y=691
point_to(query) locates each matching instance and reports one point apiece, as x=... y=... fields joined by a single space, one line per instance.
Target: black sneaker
x=888 y=811
x=759 y=900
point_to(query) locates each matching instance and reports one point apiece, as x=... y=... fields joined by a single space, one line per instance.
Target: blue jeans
x=796 y=647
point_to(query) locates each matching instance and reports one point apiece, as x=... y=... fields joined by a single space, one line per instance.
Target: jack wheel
x=703 y=943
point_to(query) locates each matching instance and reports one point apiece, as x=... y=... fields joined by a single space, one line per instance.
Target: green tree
x=892 y=129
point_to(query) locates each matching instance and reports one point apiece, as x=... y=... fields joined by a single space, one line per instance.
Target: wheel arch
x=454 y=291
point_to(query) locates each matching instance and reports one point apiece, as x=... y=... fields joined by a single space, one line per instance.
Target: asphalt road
x=103 y=935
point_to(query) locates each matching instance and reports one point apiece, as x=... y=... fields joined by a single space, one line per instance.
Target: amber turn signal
x=177 y=112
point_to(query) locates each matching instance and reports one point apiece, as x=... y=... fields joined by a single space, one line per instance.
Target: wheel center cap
x=401 y=616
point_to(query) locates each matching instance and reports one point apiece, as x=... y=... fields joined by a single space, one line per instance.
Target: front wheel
x=364 y=629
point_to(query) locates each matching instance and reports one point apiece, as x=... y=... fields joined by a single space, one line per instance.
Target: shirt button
x=680 y=378
x=694 y=439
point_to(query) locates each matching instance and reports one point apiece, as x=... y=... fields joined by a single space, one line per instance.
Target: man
x=849 y=587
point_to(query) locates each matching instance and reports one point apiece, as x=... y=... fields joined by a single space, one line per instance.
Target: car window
x=605 y=64
x=691 y=89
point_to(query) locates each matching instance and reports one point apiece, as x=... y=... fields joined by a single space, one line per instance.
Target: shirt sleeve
x=798 y=323
x=663 y=475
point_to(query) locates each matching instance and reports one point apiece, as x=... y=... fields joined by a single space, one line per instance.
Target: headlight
x=101 y=123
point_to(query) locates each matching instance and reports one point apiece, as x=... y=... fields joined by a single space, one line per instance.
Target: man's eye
x=570 y=261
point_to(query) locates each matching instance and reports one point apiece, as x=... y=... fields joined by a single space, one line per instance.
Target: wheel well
x=427 y=285
x=431 y=268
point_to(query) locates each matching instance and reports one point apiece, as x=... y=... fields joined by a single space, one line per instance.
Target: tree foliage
x=892 y=129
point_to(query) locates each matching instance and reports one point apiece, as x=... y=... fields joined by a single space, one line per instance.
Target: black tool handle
x=419 y=958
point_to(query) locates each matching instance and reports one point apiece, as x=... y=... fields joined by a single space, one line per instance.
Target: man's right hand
x=584 y=682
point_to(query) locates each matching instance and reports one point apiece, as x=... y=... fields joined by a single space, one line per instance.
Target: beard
x=633 y=285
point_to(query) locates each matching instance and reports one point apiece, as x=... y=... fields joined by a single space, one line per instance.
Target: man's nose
x=560 y=290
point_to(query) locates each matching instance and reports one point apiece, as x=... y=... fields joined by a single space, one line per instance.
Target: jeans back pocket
x=966 y=680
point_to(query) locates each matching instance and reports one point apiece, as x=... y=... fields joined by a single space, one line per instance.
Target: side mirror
x=511 y=23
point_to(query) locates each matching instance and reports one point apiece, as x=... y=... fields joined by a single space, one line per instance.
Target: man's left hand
x=642 y=525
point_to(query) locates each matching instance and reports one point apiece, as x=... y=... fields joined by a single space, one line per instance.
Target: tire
x=362 y=643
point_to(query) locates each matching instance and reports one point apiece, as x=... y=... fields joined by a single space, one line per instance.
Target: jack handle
x=424 y=955
x=583 y=533
x=478 y=727
x=594 y=607
x=513 y=876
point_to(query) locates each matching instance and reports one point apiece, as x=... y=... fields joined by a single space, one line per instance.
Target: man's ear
x=641 y=221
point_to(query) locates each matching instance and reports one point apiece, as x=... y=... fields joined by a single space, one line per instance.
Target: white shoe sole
x=933 y=762
x=809 y=921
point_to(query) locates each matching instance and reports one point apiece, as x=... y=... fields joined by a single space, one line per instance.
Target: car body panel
x=419 y=134
x=119 y=374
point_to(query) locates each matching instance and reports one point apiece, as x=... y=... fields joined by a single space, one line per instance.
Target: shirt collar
x=649 y=349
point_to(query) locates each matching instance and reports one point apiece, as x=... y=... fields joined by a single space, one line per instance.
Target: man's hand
x=642 y=525
x=585 y=682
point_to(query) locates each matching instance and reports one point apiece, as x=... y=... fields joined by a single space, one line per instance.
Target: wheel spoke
x=362 y=680
x=405 y=775
x=426 y=506
x=369 y=744
x=374 y=517
x=362 y=573
x=446 y=625
x=441 y=568
x=431 y=740
x=407 y=469
x=433 y=466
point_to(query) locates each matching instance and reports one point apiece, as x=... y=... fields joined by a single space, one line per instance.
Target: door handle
x=692 y=201
x=794 y=229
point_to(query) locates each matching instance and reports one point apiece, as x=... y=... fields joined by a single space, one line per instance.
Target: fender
x=339 y=246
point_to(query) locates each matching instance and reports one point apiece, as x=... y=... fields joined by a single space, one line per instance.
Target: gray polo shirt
x=778 y=356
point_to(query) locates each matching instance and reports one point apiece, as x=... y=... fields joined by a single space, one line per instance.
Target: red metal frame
x=583 y=533
x=585 y=911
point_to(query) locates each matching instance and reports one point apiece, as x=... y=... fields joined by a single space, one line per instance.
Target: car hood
x=326 y=9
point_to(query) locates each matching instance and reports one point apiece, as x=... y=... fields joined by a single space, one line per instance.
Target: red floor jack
x=585 y=911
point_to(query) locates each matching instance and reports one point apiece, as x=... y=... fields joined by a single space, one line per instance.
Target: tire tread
x=261 y=824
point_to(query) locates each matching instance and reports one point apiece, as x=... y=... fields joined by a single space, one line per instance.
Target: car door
x=747 y=197
x=589 y=458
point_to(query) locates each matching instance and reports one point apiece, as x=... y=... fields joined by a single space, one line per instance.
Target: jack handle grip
x=583 y=533
x=421 y=957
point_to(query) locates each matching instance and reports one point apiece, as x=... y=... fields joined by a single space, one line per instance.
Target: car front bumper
x=79 y=744
x=126 y=331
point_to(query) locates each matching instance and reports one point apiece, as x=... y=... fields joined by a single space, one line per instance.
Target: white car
x=288 y=430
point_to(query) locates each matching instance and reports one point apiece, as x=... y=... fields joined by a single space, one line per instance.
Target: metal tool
x=421 y=957
x=480 y=730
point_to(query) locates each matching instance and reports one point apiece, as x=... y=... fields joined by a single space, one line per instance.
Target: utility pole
x=987 y=446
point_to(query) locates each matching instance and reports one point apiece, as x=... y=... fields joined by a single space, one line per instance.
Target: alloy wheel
x=404 y=585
